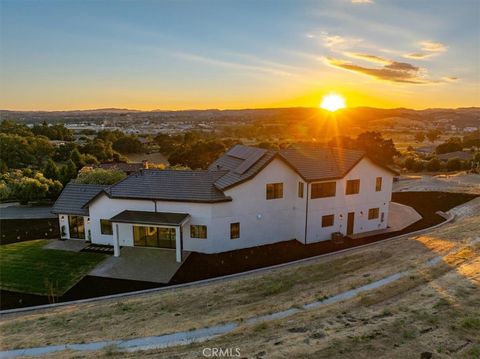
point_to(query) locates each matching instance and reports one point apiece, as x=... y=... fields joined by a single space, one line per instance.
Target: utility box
x=337 y=237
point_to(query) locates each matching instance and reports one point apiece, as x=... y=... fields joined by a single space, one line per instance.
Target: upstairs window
x=234 y=230
x=198 y=231
x=106 y=227
x=353 y=187
x=328 y=221
x=373 y=213
x=301 y=187
x=274 y=190
x=378 y=184
x=322 y=190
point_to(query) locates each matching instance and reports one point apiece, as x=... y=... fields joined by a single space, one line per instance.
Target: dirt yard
x=433 y=310
x=457 y=182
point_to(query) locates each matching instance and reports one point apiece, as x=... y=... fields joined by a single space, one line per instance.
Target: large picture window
x=353 y=186
x=274 y=190
x=322 y=190
x=198 y=231
x=234 y=230
x=154 y=237
x=106 y=227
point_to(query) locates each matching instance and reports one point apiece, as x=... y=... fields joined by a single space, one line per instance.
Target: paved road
x=17 y=211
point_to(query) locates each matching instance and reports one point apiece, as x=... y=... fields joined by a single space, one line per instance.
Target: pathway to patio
x=142 y=264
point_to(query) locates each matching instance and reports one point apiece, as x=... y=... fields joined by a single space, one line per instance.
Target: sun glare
x=332 y=102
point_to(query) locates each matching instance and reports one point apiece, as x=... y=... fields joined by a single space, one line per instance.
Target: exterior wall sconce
x=88 y=219
x=361 y=213
x=259 y=216
x=62 y=218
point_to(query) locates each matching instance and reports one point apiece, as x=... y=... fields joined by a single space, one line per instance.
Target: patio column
x=116 y=243
x=178 y=244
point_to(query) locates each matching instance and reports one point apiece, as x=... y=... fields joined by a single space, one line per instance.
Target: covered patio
x=152 y=229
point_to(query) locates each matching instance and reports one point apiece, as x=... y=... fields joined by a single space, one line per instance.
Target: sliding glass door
x=154 y=237
x=77 y=227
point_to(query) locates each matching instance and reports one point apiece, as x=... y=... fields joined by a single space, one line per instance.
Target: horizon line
x=106 y=109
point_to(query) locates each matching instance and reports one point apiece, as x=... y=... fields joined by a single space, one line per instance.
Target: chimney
x=145 y=164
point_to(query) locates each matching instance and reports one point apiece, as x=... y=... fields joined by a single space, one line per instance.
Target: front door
x=350 y=222
x=77 y=227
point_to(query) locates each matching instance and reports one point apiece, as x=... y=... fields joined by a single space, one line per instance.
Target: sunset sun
x=332 y=102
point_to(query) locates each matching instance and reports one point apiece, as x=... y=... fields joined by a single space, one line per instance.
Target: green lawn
x=29 y=268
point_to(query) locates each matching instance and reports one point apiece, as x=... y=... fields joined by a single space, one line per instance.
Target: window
x=327 y=221
x=106 y=227
x=373 y=213
x=378 y=184
x=234 y=230
x=353 y=186
x=274 y=190
x=198 y=231
x=325 y=189
x=301 y=186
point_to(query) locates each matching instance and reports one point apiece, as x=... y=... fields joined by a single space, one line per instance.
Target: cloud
x=417 y=56
x=449 y=78
x=337 y=42
x=393 y=71
x=368 y=57
x=362 y=1
x=433 y=46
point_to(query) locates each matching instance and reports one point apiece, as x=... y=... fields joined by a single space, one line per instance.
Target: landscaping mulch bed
x=19 y=230
x=200 y=266
x=88 y=287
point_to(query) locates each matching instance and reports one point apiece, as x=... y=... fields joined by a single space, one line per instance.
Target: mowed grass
x=27 y=267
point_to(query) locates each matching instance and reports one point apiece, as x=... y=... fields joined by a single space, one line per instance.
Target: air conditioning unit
x=337 y=237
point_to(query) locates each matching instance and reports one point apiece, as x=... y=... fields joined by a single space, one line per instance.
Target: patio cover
x=151 y=218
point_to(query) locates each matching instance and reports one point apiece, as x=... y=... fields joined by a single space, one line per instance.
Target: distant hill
x=359 y=116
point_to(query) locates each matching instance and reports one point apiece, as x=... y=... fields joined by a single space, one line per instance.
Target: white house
x=248 y=197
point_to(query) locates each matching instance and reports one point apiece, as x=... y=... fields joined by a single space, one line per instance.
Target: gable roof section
x=240 y=163
x=170 y=185
x=74 y=196
x=321 y=163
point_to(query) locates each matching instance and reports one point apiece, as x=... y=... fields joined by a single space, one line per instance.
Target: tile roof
x=74 y=197
x=321 y=163
x=154 y=218
x=170 y=185
x=241 y=163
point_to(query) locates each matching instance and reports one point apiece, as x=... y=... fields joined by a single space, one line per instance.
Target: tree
x=68 y=172
x=30 y=189
x=433 y=135
x=100 y=149
x=376 y=147
x=198 y=156
x=452 y=145
x=128 y=144
x=51 y=170
x=454 y=164
x=472 y=139
x=13 y=128
x=420 y=137
x=100 y=176
x=433 y=165
x=77 y=158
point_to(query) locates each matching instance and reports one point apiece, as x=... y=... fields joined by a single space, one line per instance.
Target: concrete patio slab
x=72 y=245
x=144 y=264
x=400 y=216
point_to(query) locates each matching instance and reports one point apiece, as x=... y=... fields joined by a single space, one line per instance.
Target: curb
x=449 y=218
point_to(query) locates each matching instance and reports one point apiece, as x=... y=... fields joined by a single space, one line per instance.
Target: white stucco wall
x=359 y=203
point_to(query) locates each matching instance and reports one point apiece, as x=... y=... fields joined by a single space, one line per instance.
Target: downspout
x=306 y=214
x=155 y=202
